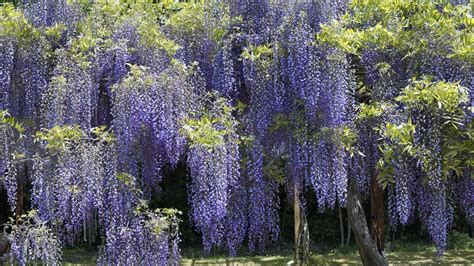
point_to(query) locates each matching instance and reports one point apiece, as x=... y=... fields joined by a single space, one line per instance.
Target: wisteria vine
x=110 y=94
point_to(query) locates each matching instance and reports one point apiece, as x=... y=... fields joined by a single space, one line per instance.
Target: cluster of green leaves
x=280 y=121
x=342 y=136
x=126 y=179
x=211 y=18
x=412 y=27
x=441 y=96
x=129 y=183
x=7 y=120
x=347 y=138
x=372 y=110
x=260 y=54
x=189 y=20
x=203 y=131
x=137 y=75
x=60 y=138
x=55 y=32
x=36 y=239
x=276 y=170
x=59 y=82
x=11 y=132
x=153 y=36
x=444 y=99
x=215 y=127
x=13 y=23
x=159 y=220
x=225 y=22
x=398 y=142
x=402 y=134
x=458 y=150
x=101 y=134
x=106 y=17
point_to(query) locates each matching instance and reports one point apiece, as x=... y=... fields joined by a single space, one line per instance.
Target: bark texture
x=377 y=213
x=368 y=251
x=301 y=232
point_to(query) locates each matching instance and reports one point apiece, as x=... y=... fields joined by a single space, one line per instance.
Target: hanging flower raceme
x=32 y=240
x=321 y=160
x=223 y=79
x=265 y=93
x=263 y=219
x=11 y=133
x=304 y=66
x=435 y=212
x=6 y=68
x=48 y=13
x=133 y=233
x=213 y=161
x=416 y=152
x=464 y=192
x=405 y=175
x=67 y=179
x=364 y=160
x=322 y=84
x=24 y=64
x=259 y=83
x=30 y=77
x=148 y=108
x=78 y=191
x=254 y=14
x=76 y=184
x=150 y=237
x=71 y=95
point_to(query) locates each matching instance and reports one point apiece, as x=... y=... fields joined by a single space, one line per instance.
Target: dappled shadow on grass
x=346 y=256
x=79 y=256
x=275 y=256
x=273 y=260
x=415 y=258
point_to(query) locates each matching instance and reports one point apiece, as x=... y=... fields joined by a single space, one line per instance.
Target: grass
x=395 y=258
x=400 y=252
x=79 y=256
x=420 y=254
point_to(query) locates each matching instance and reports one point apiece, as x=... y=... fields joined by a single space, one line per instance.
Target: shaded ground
x=405 y=258
x=81 y=257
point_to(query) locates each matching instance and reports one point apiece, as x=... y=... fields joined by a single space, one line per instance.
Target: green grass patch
x=461 y=252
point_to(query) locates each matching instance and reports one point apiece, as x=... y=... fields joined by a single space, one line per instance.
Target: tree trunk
x=341 y=225
x=349 y=232
x=377 y=213
x=368 y=251
x=301 y=231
